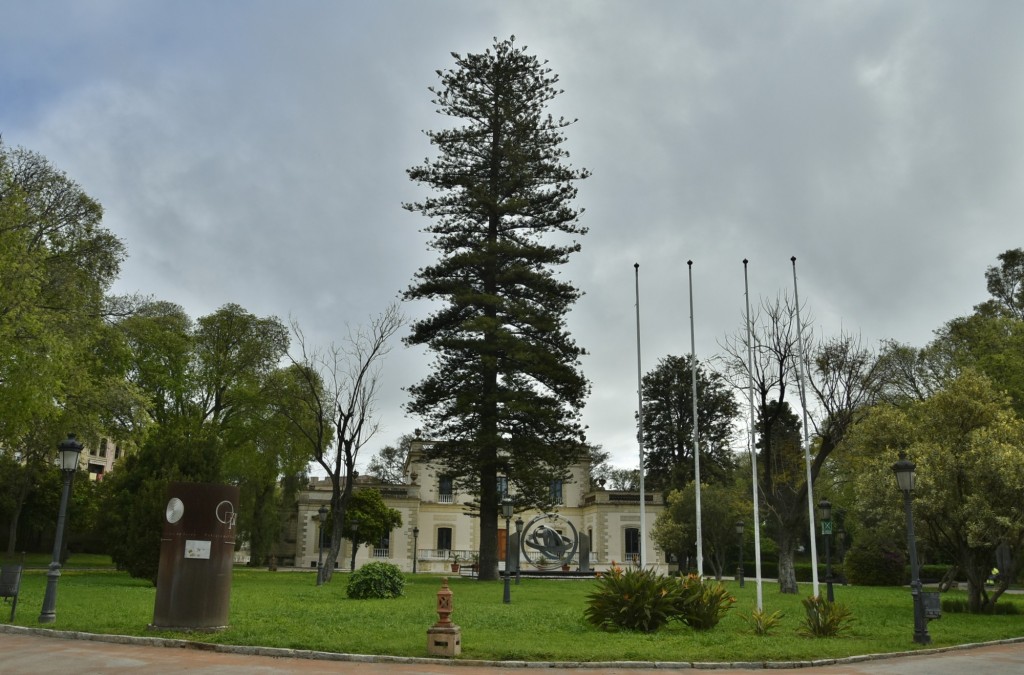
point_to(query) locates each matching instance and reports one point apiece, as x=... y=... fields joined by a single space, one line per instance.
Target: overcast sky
x=255 y=153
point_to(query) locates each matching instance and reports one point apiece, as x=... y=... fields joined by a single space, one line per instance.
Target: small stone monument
x=444 y=638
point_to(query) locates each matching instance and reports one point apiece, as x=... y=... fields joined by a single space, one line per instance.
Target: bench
x=10 y=581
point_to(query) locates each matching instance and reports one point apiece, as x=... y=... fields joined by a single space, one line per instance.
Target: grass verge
x=544 y=621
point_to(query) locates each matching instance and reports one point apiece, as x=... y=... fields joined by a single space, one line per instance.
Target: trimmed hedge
x=876 y=562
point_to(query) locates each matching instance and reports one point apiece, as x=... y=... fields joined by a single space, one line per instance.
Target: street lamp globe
x=905 y=476
x=825 y=509
x=69 y=450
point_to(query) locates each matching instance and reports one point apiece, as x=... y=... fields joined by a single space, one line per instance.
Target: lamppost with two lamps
x=905 y=478
x=740 y=526
x=825 y=514
x=69 y=451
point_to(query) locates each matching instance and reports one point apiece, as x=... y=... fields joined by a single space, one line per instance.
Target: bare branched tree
x=843 y=380
x=333 y=405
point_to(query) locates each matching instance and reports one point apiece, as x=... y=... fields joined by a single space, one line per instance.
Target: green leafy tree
x=1005 y=283
x=506 y=390
x=675 y=528
x=57 y=264
x=376 y=520
x=966 y=442
x=668 y=424
x=209 y=385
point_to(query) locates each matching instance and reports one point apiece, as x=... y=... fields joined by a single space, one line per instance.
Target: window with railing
x=383 y=547
x=556 y=491
x=502 y=487
x=632 y=542
x=445 y=490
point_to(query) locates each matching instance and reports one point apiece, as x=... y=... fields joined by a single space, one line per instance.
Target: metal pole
x=807 y=442
x=753 y=449
x=49 y=613
x=415 y=547
x=739 y=569
x=519 y=545
x=640 y=425
x=507 y=598
x=320 y=558
x=828 y=563
x=921 y=635
x=696 y=446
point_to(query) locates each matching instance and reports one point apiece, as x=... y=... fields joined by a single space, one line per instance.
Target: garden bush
x=638 y=599
x=376 y=580
x=824 y=618
x=703 y=602
x=633 y=599
x=875 y=562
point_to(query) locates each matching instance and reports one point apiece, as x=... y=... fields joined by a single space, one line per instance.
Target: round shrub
x=376 y=580
x=875 y=562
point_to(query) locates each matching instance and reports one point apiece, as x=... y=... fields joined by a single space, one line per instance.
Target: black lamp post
x=415 y=547
x=506 y=510
x=904 y=470
x=519 y=544
x=740 y=526
x=321 y=515
x=825 y=515
x=69 y=451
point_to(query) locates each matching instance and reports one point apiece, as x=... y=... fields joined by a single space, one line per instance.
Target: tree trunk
x=787 y=572
x=19 y=505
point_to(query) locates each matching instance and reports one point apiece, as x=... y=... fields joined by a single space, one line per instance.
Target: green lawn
x=544 y=621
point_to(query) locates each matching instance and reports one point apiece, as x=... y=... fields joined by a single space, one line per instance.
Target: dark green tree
x=506 y=389
x=1005 y=283
x=376 y=520
x=668 y=424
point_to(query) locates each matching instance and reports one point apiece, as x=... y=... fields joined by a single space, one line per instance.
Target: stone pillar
x=584 y=553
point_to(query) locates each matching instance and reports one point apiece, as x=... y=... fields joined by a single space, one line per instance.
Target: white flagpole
x=753 y=449
x=807 y=444
x=696 y=445
x=640 y=425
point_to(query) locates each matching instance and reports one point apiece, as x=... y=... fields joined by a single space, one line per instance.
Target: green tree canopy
x=376 y=520
x=668 y=424
x=506 y=389
x=966 y=441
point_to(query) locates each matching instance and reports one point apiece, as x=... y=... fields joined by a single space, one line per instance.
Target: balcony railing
x=445 y=498
x=382 y=553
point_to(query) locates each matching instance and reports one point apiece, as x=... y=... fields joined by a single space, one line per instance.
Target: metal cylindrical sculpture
x=197 y=549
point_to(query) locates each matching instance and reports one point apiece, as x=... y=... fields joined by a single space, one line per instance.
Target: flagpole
x=807 y=445
x=640 y=425
x=696 y=445
x=753 y=449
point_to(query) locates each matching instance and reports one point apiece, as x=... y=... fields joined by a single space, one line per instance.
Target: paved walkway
x=25 y=651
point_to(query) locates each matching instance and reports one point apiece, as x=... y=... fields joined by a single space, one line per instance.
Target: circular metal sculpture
x=175 y=510
x=544 y=546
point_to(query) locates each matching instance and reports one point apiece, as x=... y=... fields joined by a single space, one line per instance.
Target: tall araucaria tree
x=506 y=389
